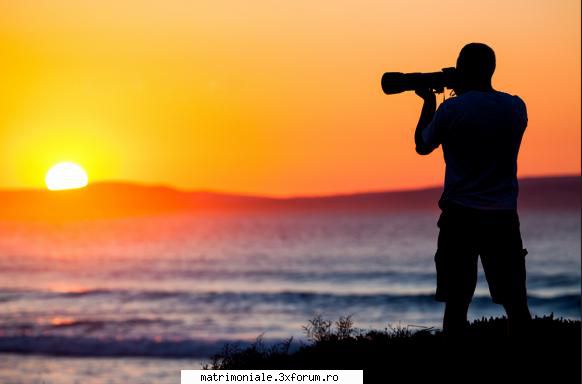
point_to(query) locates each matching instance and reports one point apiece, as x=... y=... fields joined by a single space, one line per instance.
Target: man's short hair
x=477 y=61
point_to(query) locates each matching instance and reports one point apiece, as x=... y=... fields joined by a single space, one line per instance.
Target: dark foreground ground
x=550 y=353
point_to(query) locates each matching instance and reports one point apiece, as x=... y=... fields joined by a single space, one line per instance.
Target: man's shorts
x=465 y=234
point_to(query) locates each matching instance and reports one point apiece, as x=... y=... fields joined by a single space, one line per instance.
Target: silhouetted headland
x=108 y=200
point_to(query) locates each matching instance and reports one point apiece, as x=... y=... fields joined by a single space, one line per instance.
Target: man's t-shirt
x=480 y=133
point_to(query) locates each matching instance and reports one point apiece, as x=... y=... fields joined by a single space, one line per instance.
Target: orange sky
x=267 y=97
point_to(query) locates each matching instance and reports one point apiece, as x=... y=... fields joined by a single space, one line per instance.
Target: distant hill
x=103 y=200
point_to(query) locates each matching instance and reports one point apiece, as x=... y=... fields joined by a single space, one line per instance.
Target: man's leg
x=504 y=265
x=456 y=263
x=518 y=317
x=455 y=318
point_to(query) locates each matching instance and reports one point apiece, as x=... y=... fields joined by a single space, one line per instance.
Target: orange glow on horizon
x=267 y=98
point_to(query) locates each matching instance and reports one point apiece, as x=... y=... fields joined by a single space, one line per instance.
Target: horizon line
x=268 y=196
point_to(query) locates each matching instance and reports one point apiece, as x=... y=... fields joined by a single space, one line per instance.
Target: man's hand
x=426 y=94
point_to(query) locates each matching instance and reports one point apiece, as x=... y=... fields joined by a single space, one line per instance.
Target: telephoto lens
x=398 y=82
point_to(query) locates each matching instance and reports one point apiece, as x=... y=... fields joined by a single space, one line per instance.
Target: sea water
x=139 y=299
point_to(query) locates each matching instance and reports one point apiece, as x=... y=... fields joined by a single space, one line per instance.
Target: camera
x=397 y=82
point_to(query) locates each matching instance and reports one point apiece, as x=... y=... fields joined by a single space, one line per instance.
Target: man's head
x=475 y=67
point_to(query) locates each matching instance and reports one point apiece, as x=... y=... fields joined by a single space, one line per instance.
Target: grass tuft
x=550 y=352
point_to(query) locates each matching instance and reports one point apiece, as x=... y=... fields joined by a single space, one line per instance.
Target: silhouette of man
x=480 y=132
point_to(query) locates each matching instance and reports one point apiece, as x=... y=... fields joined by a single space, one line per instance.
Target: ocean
x=138 y=299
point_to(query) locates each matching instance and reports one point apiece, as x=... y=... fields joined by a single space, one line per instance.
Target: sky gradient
x=266 y=97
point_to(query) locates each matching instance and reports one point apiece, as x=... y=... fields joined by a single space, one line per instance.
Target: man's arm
x=426 y=116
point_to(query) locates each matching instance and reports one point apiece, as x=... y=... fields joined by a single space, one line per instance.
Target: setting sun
x=66 y=175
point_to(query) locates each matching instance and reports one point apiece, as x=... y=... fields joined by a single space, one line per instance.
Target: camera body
x=397 y=82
